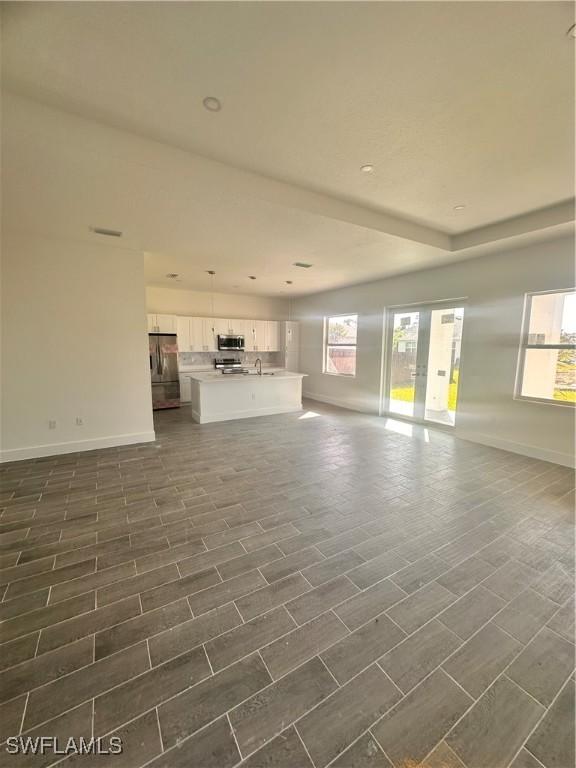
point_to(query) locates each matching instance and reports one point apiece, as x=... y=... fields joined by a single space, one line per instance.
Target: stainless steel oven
x=230 y=343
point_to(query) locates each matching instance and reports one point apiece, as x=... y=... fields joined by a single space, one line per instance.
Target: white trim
x=252 y=412
x=533 y=451
x=75 y=446
x=326 y=346
x=524 y=345
x=350 y=405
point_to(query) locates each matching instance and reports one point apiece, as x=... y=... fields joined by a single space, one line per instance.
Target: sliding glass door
x=424 y=362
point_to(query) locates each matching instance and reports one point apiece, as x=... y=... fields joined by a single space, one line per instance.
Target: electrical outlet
x=79 y=421
x=51 y=424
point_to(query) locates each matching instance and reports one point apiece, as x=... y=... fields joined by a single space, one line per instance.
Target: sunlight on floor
x=402 y=428
x=309 y=415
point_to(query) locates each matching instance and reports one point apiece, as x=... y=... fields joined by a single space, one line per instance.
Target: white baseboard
x=54 y=449
x=524 y=449
x=532 y=451
x=232 y=415
x=350 y=405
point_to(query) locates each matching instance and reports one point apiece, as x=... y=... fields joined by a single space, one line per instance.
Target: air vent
x=106 y=232
x=302 y=264
x=172 y=275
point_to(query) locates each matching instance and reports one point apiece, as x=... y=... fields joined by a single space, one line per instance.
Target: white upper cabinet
x=161 y=323
x=195 y=334
x=200 y=334
x=209 y=334
x=249 y=335
x=221 y=326
x=226 y=326
x=290 y=345
x=183 y=333
x=272 y=336
x=260 y=335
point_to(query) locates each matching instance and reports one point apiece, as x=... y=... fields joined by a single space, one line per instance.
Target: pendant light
x=212 y=274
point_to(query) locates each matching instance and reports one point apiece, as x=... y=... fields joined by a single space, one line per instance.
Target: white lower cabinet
x=185 y=389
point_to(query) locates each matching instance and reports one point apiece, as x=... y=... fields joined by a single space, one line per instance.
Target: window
x=547 y=366
x=340 y=345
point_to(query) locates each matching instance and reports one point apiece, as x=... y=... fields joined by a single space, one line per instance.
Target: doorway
x=424 y=344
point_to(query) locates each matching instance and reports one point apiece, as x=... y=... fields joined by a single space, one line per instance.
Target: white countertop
x=212 y=376
x=184 y=370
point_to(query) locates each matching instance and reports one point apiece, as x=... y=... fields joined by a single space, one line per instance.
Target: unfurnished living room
x=288 y=384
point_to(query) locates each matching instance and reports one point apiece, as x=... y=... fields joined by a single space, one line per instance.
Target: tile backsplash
x=206 y=359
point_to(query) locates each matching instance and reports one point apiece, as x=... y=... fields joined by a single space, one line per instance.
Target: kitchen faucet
x=258 y=367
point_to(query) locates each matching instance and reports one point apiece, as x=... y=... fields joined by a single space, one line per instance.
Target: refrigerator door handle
x=158 y=358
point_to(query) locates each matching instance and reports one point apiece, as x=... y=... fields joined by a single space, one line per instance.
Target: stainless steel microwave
x=228 y=342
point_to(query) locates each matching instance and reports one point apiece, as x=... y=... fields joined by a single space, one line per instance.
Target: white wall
x=74 y=344
x=495 y=286
x=227 y=305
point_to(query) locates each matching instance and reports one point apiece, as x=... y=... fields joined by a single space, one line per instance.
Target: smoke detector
x=212 y=104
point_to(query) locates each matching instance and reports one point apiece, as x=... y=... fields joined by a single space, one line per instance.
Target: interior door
x=424 y=362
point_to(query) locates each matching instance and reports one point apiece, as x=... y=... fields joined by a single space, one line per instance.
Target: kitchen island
x=222 y=397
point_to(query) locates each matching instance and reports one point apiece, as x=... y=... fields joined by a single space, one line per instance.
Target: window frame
x=327 y=346
x=524 y=345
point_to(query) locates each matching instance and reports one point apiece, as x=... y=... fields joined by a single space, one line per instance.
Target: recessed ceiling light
x=302 y=264
x=459 y=207
x=367 y=168
x=251 y=277
x=212 y=104
x=210 y=272
x=107 y=232
x=289 y=282
x=572 y=31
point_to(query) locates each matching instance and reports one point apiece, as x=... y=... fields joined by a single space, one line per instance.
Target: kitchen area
x=222 y=368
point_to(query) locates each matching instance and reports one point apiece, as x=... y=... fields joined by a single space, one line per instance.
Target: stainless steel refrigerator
x=164 y=370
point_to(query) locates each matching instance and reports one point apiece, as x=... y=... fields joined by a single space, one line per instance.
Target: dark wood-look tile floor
x=292 y=591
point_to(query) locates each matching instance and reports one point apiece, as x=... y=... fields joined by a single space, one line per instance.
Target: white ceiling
x=453 y=103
